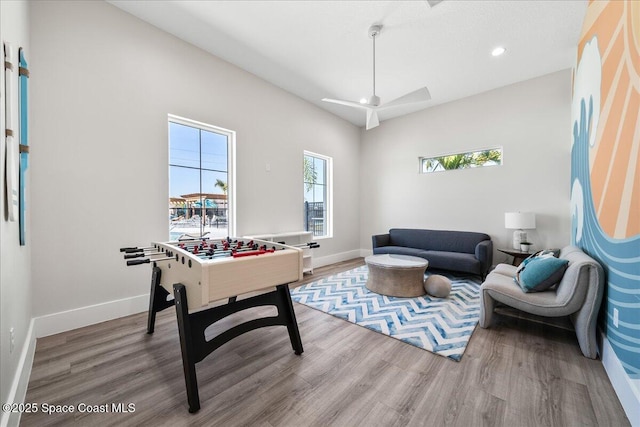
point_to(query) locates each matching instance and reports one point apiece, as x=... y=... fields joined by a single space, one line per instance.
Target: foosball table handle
x=134 y=255
x=138 y=261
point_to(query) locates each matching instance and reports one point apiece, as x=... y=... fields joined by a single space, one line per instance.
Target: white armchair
x=578 y=295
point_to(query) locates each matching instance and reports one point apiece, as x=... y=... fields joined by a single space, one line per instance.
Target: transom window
x=471 y=159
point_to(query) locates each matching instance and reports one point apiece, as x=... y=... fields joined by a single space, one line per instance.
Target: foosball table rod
x=147 y=260
x=137 y=249
x=141 y=254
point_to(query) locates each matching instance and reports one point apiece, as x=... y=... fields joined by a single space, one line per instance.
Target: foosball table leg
x=292 y=324
x=186 y=346
x=157 y=299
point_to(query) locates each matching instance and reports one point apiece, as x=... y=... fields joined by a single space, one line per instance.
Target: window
x=200 y=179
x=472 y=159
x=318 y=194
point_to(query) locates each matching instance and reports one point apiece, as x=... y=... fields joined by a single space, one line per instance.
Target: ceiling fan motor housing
x=374 y=30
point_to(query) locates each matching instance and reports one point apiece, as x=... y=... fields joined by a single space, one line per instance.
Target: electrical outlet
x=615 y=317
x=12 y=340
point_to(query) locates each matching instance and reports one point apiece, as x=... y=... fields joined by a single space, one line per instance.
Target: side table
x=518 y=256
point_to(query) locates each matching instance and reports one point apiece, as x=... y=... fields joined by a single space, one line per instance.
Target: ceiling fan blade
x=420 y=95
x=347 y=103
x=433 y=3
x=372 y=118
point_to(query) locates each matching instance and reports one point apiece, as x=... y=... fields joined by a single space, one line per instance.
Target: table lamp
x=519 y=221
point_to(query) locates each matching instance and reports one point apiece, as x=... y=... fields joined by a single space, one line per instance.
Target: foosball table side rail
x=208 y=281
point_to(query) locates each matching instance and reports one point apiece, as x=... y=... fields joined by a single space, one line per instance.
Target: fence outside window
x=314 y=218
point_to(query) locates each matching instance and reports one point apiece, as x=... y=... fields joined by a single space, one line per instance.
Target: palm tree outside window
x=200 y=176
x=473 y=159
x=317 y=180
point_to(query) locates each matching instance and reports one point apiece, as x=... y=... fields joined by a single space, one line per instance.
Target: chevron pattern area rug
x=440 y=325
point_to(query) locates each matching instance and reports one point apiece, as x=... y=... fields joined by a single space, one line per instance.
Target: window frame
x=231 y=163
x=423 y=159
x=328 y=177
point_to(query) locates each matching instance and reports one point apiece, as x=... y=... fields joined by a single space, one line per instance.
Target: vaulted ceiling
x=321 y=49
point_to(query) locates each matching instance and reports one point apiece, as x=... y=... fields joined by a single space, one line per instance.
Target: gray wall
x=15 y=260
x=530 y=120
x=105 y=84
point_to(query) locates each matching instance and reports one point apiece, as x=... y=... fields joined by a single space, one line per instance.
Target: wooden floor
x=518 y=373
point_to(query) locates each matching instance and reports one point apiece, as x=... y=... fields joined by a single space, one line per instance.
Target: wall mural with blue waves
x=605 y=166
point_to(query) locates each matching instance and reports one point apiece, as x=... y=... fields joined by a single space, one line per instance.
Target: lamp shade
x=520 y=220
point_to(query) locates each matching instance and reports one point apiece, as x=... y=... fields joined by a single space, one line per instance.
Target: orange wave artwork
x=615 y=153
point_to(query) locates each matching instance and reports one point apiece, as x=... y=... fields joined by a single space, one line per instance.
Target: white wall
x=105 y=84
x=15 y=277
x=530 y=120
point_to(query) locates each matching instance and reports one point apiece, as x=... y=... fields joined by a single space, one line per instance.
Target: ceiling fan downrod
x=374 y=31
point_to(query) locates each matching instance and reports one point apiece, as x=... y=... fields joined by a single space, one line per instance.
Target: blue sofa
x=461 y=251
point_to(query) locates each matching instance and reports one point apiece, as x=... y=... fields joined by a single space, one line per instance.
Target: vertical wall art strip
x=11 y=145
x=23 y=72
x=605 y=166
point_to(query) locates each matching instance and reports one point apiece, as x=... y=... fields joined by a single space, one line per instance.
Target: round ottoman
x=396 y=275
x=438 y=286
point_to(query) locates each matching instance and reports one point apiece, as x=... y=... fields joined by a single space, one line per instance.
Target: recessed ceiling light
x=498 y=51
x=363 y=100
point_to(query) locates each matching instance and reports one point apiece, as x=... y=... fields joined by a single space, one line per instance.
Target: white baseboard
x=366 y=252
x=63 y=321
x=333 y=258
x=18 y=389
x=627 y=392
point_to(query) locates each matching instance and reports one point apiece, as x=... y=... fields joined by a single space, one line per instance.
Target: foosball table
x=201 y=272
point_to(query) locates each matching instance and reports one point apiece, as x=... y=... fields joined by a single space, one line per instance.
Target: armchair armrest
x=380 y=240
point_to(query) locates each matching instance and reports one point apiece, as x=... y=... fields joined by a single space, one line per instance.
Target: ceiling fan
x=373 y=105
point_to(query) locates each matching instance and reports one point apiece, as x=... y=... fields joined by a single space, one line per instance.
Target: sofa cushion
x=456 y=241
x=408 y=238
x=540 y=273
x=502 y=288
x=398 y=250
x=506 y=270
x=453 y=261
x=437 y=240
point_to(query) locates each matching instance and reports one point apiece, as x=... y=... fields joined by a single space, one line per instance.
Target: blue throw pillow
x=541 y=273
x=545 y=253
